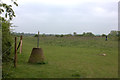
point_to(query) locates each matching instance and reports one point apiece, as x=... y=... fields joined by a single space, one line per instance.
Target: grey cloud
x=65 y=19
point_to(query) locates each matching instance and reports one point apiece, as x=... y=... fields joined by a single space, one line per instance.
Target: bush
x=103 y=35
x=43 y=35
x=57 y=35
x=68 y=35
x=36 y=35
x=79 y=35
x=6 y=38
x=61 y=35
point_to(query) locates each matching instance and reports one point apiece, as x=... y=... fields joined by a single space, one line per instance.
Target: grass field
x=67 y=57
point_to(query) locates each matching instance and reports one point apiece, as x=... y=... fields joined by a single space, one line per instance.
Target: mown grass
x=68 y=57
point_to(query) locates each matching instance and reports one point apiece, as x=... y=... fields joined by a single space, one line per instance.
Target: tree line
x=85 y=34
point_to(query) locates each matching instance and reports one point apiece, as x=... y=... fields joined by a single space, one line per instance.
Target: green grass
x=67 y=57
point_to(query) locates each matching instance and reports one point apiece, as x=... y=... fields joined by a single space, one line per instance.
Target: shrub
x=43 y=35
x=36 y=35
x=103 y=35
x=57 y=35
x=6 y=39
x=68 y=35
x=61 y=35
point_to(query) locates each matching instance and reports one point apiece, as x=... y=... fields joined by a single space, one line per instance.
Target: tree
x=36 y=35
x=7 y=10
x=74 y=33
x=113 y=33
x=103 y=35
x=57 y=35
x=5 y=21
x=88 y=34
x=68 y=35
x=83 y=34
x=43 y=35
x=61 y=35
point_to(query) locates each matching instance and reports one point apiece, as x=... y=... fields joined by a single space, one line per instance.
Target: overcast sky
x=66 y=16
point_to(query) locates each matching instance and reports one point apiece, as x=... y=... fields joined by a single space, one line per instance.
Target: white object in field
x=103 y=54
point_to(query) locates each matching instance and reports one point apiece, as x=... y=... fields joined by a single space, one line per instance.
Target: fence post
x=20 y=44
x=38 y=40
x=15 y=56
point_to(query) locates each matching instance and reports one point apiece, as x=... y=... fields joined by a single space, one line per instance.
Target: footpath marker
x=37 y=55
x=38 y=40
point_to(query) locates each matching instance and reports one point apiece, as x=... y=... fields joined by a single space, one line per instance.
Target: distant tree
x=57 y=35
x=50 y=34
x=113 y=33
x=43 y=35
x=61 y=35
x=83 y=33
x=103 y=35
x=89 y=34
x=68 y=35
x=36 y=35
x=74 y=33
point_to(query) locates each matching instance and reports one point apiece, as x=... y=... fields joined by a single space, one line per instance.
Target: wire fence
x=8 y=63
x=7 y=50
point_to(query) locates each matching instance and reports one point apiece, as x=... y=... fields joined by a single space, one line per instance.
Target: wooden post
x=38 y=40
x=15 y=56
x=20 y=44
